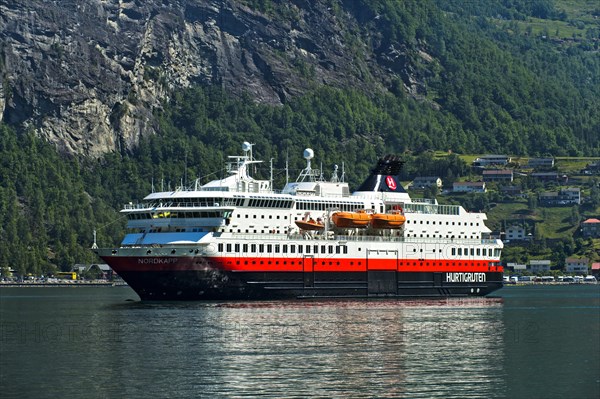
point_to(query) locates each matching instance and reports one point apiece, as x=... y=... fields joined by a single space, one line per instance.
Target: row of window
x=179 y=215
x=262 y=216
x=432 y=209
x=442 y=223
x=478 y=251
x=460 y=236
x=269 y=203
x=238 y=201
x=283 y=248
x=292 y=262
x=323 y=206
x=258 y=202
x=330 y=249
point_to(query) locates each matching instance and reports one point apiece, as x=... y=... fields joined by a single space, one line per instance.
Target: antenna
x=271 y=179
x=287 y=169
x=334 y=176
x=94 y=245
x=321 y=178
x=185 y=170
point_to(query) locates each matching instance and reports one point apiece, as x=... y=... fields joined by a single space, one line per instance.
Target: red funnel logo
x=391 y=183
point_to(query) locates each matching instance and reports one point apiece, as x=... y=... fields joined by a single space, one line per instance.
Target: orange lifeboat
x=310 y=224
x=388 y=220
x=352 y=219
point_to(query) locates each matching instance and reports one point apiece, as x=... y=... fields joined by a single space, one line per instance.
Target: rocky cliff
x=88 y=74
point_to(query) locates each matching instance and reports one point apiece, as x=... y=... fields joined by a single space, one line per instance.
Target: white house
x=566 y=196
x=539 y=265
x=486 y=160
x=516 y=266
x=515 y=233
x=571 y=194
x=425 y=182
x=540 y=162
x=469 y=187
x=577 y=265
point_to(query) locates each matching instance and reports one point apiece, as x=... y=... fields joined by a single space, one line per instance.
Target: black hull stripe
x=210 y=285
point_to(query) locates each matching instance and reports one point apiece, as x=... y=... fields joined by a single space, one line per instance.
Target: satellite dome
x=246 y=146
x=308 y=153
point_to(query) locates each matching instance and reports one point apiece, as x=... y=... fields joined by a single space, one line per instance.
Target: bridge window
x=220 y=247
x=228 y=247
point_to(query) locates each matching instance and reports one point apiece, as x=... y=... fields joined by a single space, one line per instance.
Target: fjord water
x=527 y=342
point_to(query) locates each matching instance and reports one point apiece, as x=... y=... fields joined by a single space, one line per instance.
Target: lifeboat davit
x=387 y=220
x=310 y=224
x=352 y=219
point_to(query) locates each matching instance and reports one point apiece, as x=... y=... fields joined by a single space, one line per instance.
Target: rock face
x=88 y=74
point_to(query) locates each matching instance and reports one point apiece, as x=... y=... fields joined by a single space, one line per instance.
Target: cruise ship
x=238 y=238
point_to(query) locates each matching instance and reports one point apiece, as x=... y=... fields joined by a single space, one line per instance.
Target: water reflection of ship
x=384 y=348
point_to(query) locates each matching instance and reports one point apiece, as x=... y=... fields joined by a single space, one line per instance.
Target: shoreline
x=65 y=284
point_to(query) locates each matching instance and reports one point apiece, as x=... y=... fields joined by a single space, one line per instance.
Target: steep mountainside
x=87 y=75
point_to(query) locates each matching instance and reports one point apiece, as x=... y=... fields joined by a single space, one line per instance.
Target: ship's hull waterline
x=199 y=278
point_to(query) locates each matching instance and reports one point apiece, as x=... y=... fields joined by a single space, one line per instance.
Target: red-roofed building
x=596 y=269
x=591 y=228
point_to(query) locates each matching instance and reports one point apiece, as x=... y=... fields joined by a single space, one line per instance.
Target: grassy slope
x=579 y=20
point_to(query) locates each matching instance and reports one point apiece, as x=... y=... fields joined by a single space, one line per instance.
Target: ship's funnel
x=384 y=177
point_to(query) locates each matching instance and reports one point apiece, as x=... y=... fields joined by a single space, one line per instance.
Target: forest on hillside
x=490 y=87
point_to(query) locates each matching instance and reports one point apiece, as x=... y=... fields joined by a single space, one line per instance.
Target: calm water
x=533 y=342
